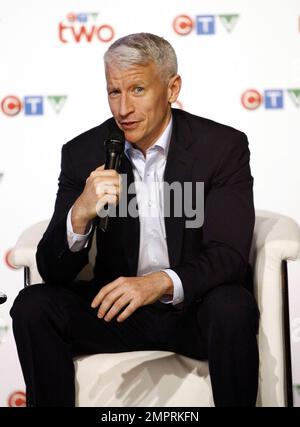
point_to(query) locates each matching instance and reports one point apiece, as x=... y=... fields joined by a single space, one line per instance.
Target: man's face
x=139 y=101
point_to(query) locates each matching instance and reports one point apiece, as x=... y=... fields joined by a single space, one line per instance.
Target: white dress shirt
x=148 y=175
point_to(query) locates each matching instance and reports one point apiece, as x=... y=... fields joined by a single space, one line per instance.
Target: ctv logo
x=83 y=27
x=273 y=99
x=17 y=399
x=32 y=105
x=203 y=24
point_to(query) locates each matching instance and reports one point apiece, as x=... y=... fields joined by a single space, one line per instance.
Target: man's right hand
x=101 y=187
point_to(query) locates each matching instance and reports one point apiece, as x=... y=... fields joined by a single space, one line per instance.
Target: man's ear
x=174 y=87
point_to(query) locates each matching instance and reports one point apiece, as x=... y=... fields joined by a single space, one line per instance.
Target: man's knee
x=32 y=303
x=230 y=309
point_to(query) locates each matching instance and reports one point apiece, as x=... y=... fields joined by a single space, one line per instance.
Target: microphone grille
x=115 y=141
x=116 y=134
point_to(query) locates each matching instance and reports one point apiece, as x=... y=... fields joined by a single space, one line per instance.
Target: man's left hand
x=132 y=293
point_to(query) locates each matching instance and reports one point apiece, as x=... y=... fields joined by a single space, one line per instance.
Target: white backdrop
x=225 y=48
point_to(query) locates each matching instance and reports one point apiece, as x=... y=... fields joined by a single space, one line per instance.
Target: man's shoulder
x=203 y=127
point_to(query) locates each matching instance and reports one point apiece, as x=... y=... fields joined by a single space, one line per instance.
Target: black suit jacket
x=200 y=151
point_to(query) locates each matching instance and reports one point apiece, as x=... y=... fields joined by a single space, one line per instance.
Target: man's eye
x=113 y=93
x=138 y=89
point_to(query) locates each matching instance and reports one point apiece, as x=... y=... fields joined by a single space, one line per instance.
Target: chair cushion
x=142 y=378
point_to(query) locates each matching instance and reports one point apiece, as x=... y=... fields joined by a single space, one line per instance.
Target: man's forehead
x=117 y=71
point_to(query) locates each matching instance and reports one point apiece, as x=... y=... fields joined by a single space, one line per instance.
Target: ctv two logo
x=203 y=24
x=32 y=105
x=273 y=99
x=80 y=27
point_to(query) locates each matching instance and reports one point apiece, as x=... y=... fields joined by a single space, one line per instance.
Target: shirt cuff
x=76 y=241
x=178 y=294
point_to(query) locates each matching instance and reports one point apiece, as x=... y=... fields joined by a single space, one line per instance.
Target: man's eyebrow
x=111 y=87
x=131 y=84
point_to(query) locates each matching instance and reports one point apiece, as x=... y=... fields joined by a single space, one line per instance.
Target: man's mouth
x=126 y=125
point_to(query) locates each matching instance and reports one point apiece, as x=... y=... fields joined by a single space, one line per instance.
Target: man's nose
x=126 y=106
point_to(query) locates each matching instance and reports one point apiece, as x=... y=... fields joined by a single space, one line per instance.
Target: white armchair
x=158 y=378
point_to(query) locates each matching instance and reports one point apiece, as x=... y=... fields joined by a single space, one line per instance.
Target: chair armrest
x=276 y=239
x=277 y=234
x=23 y=253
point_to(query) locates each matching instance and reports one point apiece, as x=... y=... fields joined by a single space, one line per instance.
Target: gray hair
x=141 y=49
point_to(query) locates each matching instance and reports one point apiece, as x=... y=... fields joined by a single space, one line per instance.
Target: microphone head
x=115 y=141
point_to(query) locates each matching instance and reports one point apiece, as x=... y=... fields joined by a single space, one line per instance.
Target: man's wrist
x=167 y=283
x=80 y=224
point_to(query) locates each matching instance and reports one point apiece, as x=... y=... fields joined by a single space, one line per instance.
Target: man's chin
x=132 y=136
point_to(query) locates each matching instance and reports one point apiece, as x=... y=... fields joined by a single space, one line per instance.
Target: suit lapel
x=178 y=169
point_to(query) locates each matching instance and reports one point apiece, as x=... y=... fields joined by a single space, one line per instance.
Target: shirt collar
x=161 y=144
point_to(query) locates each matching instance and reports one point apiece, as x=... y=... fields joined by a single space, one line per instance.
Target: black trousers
x=53 y=324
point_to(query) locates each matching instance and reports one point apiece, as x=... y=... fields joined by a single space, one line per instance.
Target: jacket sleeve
x=229 y=218
x=55 y=262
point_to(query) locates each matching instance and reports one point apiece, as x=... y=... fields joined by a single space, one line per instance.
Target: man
x=158 y=283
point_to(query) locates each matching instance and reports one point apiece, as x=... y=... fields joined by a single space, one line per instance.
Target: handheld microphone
x=114 y=145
